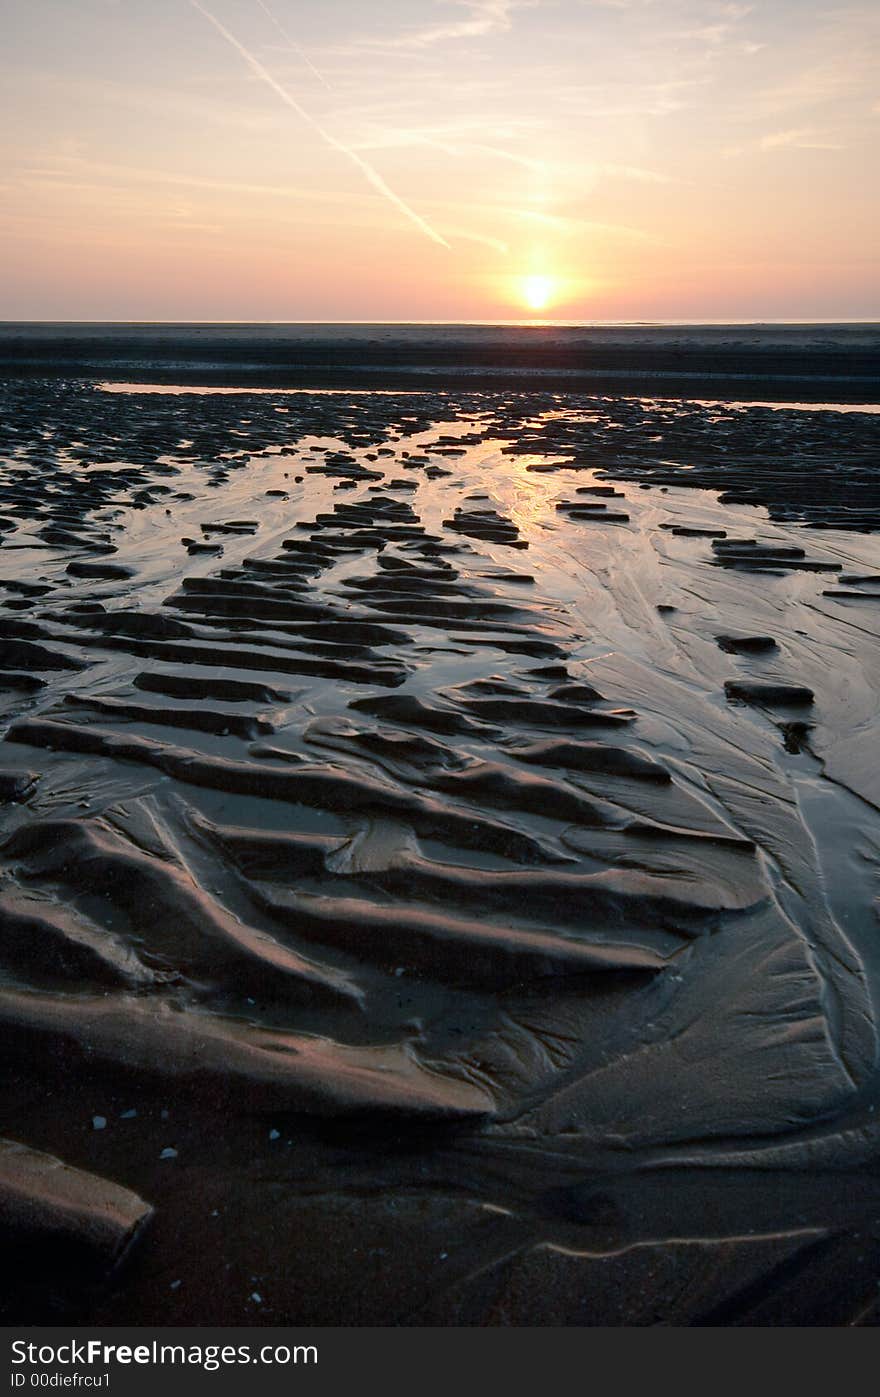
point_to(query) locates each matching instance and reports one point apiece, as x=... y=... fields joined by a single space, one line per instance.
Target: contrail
x=297 y=48
x=367 y=170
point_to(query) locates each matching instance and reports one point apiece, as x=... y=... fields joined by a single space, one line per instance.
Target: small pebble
x=168 y=1153
x=99 y=1122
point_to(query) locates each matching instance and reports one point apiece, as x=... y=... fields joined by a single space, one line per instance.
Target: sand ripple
x=471 y=929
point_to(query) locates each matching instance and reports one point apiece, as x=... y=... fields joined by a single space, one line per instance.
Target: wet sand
x=782 y=362
x=439 y=857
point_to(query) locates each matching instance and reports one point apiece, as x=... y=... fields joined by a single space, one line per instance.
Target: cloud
x=120 y=182
x=793 y=138
x=481 y=18
x=449 y=145
x=366 y=169
x=568 y=226
x=633 y=172
x=297 y=48
x=800 y=139
x=495 y=243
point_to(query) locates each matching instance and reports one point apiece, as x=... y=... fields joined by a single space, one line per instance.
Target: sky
x=439 y=160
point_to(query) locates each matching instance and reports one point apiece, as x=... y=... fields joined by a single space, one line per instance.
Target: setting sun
x=537 y=291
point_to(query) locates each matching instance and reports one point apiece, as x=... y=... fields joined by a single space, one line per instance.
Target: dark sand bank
x=438 y=858
x=785 y=362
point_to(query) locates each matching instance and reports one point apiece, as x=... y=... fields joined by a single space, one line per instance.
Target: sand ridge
x=447 y=823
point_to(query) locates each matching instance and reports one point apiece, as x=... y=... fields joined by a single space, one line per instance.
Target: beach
x=440 y=826
x=780 y=362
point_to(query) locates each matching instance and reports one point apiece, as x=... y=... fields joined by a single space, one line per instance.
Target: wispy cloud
x=454 y=147
x=633 y=172
x=620 y=99
x=719 y=24
x=800 y=139
x=366 y=169
x=292 y=43
x=481 y=18
x=73 y=172
x=790 y=139
x=119 y=185
x=484 y=239
x=570 y=227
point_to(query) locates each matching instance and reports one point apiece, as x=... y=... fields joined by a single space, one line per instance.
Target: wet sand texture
x=438 y=859
x=797 y=363
x=65 y=1232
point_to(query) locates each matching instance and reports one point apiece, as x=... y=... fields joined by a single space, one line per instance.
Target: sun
x=537 y=292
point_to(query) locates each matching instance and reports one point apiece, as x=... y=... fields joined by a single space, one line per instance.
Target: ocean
x=769 y=362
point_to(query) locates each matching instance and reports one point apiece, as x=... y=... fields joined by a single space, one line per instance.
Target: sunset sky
x=439 y=159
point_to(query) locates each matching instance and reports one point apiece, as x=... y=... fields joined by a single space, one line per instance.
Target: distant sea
x=773 y=362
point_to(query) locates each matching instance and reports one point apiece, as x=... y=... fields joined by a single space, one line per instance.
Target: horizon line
x=670 y=322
